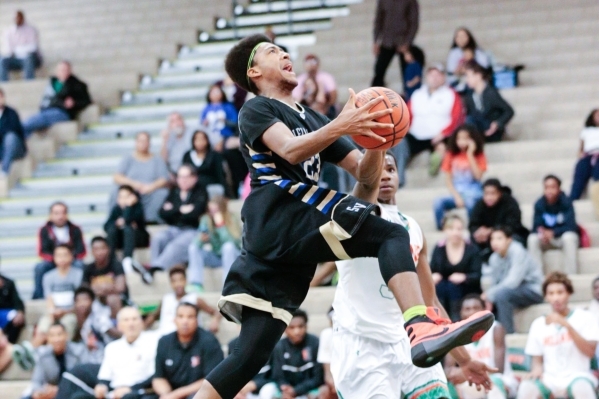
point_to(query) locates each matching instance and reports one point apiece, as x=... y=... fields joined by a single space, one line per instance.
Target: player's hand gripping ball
x=400 y=118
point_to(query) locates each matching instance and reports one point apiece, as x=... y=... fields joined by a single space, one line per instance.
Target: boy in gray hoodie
x=516 y=278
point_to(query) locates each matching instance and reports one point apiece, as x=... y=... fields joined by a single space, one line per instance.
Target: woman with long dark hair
x=464 y=49
x=208 y=163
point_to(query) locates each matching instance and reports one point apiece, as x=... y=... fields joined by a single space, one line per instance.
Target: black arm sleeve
x=255 y=118
x=213 y=354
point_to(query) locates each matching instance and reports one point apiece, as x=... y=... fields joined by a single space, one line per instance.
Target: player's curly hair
x=236 y=62
x=558 y=278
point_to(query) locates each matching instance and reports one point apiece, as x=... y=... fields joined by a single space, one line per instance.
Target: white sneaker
x=128 y=265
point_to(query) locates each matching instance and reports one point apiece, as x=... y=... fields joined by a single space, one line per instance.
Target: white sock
x=128 y=265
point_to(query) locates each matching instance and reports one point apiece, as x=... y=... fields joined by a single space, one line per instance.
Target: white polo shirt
x=128 y=364
x=432 y=113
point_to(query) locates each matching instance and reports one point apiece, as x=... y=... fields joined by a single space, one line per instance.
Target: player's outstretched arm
x=351 y=121
x=367 y=169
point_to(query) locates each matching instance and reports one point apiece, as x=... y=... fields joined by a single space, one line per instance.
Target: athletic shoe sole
x=428 y=353
x=146 y=276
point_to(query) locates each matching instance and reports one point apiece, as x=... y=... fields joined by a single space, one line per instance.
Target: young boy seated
x=561 y=345
x=491 y=350
x=59 y=285
x=294 y=366
x=168 y=306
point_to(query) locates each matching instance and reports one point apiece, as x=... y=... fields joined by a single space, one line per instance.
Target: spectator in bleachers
x=106 y=277
x=6 y=352
x=294 y=366
x=516 y=278
x=12 y=137
x=147 y=173
x=456 y=266
x=181 y=210
x=395 y=26
x=554 y=225
x=485 y=107
x=185 y=357
x=59 y=286
x=496 y=207
x=58 y=230
x=561 y=345
x=436 y=112
x=208 y=163
x=491 y=350
x=53 y=359
x=218 y=242
x=412 y=76
x=587 y=165
x=20 y=49
x=64 y=98
x=94 y=325
x=463 y=50
x=167 y=308
x=315 y=88
x=236 y=94
x=464 y=165
x=12 y=310
x=126 y=229
x=176 y=141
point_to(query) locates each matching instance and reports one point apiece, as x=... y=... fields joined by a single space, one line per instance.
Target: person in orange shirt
x=464 y=164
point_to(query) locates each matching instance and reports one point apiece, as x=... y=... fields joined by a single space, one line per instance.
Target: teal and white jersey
x=363 y=304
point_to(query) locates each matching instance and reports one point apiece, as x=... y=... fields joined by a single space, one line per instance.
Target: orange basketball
x=400 y=118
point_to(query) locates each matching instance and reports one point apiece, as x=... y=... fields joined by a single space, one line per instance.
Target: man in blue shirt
x=554 y=225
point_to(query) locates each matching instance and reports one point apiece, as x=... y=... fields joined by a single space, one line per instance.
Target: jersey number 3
x=312 y=168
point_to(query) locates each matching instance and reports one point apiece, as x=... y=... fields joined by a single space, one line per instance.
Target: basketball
x=400 y=118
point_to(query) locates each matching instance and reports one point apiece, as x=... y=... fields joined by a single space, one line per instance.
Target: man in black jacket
x=12 y=310
x=181 y=211
x=185 y=357
x=554 y=225
x=12 y=137
x=485 y=108
x=58 y=230
x=496 y=207
x=294 y=366
x=64 y=97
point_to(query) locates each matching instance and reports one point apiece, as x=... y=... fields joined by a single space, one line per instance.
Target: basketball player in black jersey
x=291 y=224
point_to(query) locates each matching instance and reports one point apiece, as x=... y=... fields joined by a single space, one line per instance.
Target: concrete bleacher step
x=182 y=79
x=193 y=93
x=63 y=186
x=299 y=27
x=152 y=111
x=29 y=225
x=278 y=6
x=38 y=206
x=276 y=17
x=13 y=389
x=104 y=148
x=64 y=167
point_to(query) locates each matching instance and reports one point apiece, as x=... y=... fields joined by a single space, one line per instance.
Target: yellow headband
x=251 y=59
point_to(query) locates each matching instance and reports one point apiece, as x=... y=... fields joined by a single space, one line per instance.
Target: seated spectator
x=325 y=353
x=147 y=174
x=12 y=137
x=64 y=98
x=233 y=92
x=181 y=210
x=94 y=325
x=515 y=278
x=261 y=386
x=485 y=108
x=12 y=310
x=219 y=118
x=126 y=228
x=208 y=163
x=491 y=350
x=561 y=345
x=20 y=49
x=554 y=226
x=412 y=74
x=106 y=277
x=185 y=357
x=6 y=352
x=294 y=368
x=176 y=141
x=315 y=88
x=58 y=230
x=464 y=165
x=59 y=285
x=53 y=359
x=456 y=267
x=496 y=207
x=587 y=165
x=167 y=308
x=218 y=242
x=127 y=368
x=463 y=50
x=436 y=112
